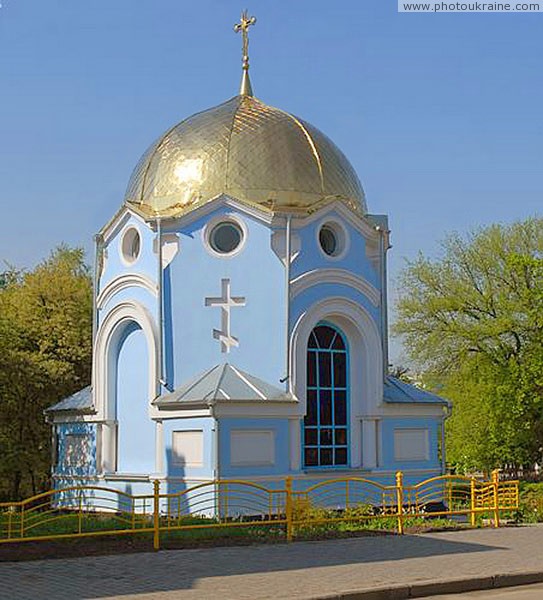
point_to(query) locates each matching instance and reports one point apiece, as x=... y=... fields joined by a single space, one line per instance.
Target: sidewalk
x=301 y=570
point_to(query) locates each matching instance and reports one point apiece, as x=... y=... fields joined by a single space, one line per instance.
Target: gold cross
x=243 y=26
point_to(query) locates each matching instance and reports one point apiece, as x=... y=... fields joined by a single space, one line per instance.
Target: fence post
x=399 y=499
x=224 y=503
x=495 y=485
x=288 y=507
x=472 y=503
x=80 y=516
x=11 y=510
x=156 y=514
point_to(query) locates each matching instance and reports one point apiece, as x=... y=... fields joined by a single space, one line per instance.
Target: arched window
x=326 y=421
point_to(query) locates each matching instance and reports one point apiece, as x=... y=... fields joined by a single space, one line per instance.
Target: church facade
x=241 y=320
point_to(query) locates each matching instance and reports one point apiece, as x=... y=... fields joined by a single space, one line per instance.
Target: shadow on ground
x=170 y=570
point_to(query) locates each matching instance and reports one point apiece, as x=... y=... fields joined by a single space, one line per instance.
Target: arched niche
x=122 y=325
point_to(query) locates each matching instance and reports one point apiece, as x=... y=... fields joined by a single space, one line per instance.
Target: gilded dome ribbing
x=260 y=155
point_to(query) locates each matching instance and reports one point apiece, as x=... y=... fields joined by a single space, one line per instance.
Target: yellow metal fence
x=94 y=511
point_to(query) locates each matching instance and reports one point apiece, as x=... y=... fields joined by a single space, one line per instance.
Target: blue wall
x=204 y=424
x=355 y=260
x=136 y=433
x=388 y=426
x=278 y=426
x=146 y=264
x=255 y=273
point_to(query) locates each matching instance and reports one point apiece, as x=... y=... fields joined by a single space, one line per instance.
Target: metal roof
x=260 y=155
x=222 y=383
x=397 y=391
x=81 y=401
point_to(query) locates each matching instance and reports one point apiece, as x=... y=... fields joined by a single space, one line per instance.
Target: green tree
x=472 y=321
x=45 y=355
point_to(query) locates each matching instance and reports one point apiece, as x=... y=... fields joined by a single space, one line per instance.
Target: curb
x=437 y=588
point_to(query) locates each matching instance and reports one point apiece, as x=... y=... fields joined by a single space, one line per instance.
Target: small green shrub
x=312 y=520
x=530 y=503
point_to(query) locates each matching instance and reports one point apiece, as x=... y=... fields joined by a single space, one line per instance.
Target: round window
x=328 y=240
x=225 y=237
x=131 y=245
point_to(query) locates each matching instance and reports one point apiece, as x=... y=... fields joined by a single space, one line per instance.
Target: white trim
x=118 y=221
x=360 y=223
x=159 y=446
x=248 y=383
x=256 y=409
x=337 y=276
x=168 y=415
x=122 y=282
x=125 y=477
x=262 y=215
x=369 y=443
x=326 y=475
x=129 y=261
x=218 y=220
x=295 y=441
x=411 y=410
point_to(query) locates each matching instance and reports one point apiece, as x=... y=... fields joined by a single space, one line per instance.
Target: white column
x=295 y=443
x=356 y=443
x=159 y=447
x=369 y=443
x=109 y=446
x=99 y=449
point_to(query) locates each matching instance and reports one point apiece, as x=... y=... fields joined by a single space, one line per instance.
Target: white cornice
x=337 y=276
x=119 y=219
x=360 y=223
x=207 y=208
x=123 y=282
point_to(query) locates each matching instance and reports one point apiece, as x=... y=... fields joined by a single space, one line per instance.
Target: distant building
x=240 y=319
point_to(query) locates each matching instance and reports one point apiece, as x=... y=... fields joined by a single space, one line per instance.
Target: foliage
x=472 y=322
x=311 y=520
x=45 y=355
x=531 y=503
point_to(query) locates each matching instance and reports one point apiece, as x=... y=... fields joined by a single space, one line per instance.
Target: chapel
x=240 y=319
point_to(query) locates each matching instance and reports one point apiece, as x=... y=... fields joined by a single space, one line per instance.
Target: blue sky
x=440 y=114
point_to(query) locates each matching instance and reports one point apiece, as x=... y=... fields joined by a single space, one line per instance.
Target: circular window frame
x=135 y=233
x=218 y=220
x=342 y=238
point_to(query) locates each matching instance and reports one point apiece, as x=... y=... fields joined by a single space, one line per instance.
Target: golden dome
x=255 y=153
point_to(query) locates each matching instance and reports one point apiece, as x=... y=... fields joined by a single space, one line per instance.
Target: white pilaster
x=295 y=444
x=109 y=446
x=159 y=447
x=356 y=443
x=369 y=441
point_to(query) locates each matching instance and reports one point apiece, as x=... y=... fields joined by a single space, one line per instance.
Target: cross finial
x=225 y=302
x=245 y=22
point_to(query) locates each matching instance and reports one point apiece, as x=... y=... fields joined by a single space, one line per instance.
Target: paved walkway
x=297 y=571
x=524 y=592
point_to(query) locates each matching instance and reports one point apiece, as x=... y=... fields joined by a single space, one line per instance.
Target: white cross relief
x=225 y=302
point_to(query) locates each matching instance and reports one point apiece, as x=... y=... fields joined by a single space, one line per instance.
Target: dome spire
x=243 y=26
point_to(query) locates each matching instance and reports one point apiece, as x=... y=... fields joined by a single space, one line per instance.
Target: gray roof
x=397 y=391
x=81 y=401
x=222 y=383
